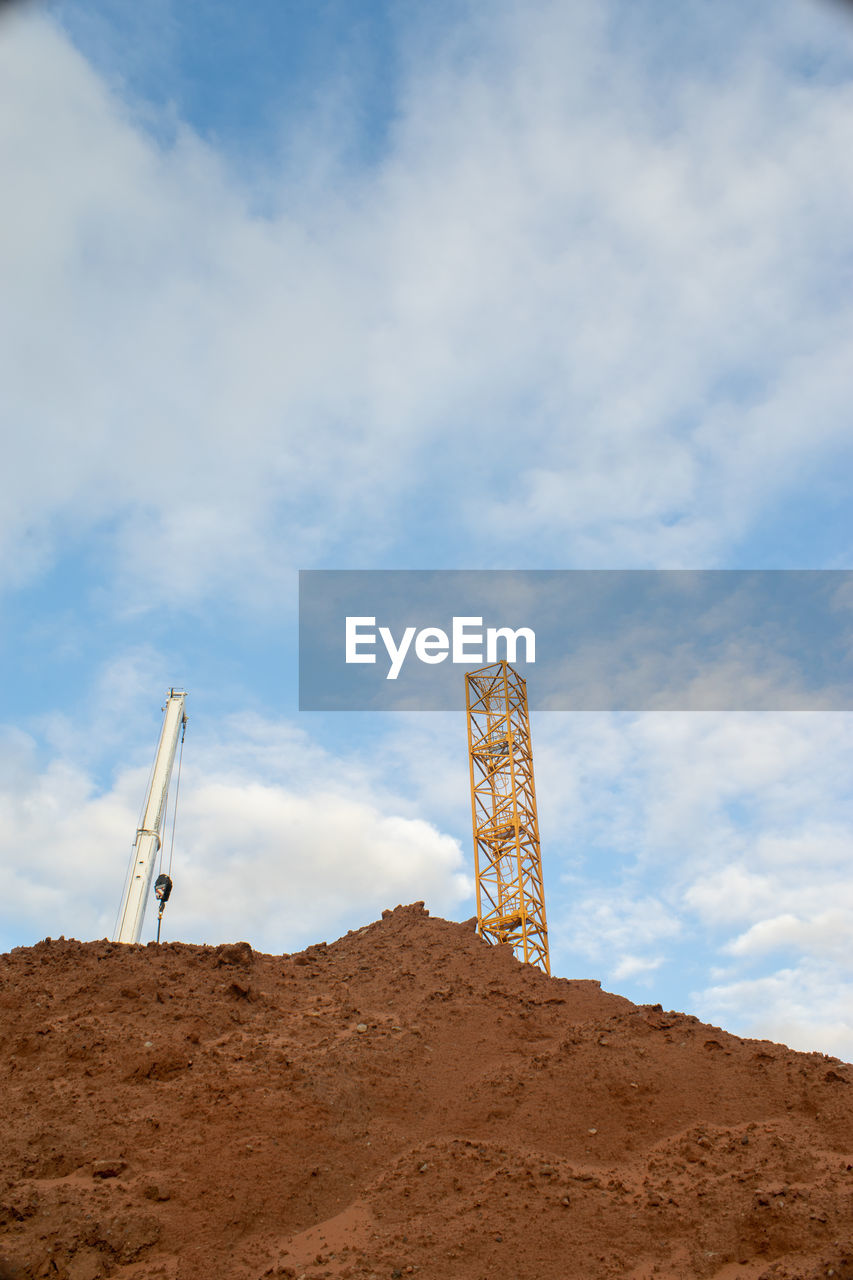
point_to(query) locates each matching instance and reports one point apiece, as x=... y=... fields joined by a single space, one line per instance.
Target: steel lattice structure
x=508 y=861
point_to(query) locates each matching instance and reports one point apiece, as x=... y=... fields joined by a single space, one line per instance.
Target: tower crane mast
x=147 y=842
x=507 y=858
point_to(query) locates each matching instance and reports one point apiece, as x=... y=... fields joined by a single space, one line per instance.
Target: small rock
x=423 y=1168
x=85 y=1265
x=155 y=1191
x=234 y=953
x=108 y=1168
x=362 y=1027
x=592 y=1131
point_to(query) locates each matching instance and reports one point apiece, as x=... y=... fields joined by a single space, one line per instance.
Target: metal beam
x=507 y=857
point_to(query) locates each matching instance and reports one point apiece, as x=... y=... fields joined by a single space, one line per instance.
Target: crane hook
x=162 y=890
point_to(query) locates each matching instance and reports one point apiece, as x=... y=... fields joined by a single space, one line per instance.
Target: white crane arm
x=147 y=842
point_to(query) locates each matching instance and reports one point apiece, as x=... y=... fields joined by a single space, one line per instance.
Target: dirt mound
x=406 y=1101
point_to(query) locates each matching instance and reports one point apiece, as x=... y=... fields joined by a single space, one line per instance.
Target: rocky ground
x=406 y=1101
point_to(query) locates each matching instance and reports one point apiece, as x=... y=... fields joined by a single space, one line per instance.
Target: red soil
x=408 y=1101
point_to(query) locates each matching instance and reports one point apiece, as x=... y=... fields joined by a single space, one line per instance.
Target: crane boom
x=147 y=842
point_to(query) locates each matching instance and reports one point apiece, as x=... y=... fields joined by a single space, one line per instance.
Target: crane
x=507 y=858
x=147 y=842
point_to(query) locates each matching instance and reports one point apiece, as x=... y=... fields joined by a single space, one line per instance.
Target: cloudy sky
x=371 y=284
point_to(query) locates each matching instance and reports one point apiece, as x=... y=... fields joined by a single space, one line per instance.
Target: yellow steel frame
x=507 y=857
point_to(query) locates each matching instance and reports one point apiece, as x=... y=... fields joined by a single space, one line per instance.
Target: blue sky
x=348 y=285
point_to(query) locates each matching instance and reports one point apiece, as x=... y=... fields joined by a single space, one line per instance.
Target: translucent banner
x=586 y=640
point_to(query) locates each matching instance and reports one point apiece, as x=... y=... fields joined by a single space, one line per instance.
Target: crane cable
x=166 y=881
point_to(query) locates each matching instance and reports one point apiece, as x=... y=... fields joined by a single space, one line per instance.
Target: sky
x=359 y=285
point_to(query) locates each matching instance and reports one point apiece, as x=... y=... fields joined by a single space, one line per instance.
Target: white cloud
x=644 y=291
x=288 y=868
x=822 y=933
x=730 y=894
x=610 y=925
x=806 y=1007
x=201 y=360
x=635 y=966
x=782 y=876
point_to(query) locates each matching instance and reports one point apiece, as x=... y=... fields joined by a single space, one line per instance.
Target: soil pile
x=407 y=1101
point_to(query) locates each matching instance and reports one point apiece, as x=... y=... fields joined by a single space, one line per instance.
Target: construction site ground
x=408 y=1101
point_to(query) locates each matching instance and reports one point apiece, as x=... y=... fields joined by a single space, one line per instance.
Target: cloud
x=821 y=933
x=806 y=1007
x=287 y=868
x=782 y=875
x=610 y=926
x=564 y=316
x=731 y=893
x=633 y=966
x=189 y=346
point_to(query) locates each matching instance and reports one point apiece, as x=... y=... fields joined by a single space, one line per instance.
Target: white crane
x=147 y=842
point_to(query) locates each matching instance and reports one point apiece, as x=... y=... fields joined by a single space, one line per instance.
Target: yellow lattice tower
x=508 y=862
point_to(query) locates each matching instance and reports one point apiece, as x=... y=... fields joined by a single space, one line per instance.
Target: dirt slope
x=407 y=1101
